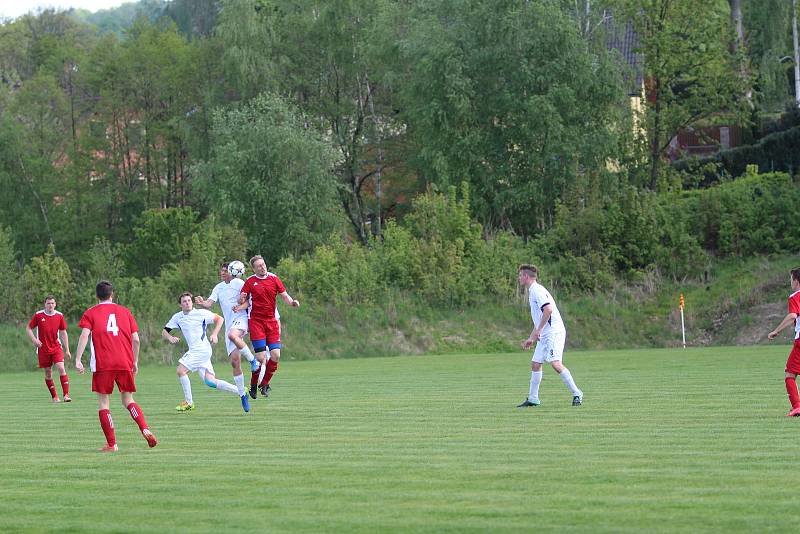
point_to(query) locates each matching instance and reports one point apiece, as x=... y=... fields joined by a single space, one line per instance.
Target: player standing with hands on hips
x=549 y=335
x=793 y=362
x=115 y=360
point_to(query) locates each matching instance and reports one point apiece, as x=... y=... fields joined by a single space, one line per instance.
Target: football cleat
x=265 y=390
x=184 y=407
x=577 y=400
x=151 y=439
x=245 y=403
x=527 y=403
x=253 y=391
x=67 y=398
x=794 y=413
x=56 y=399
x=108 y=448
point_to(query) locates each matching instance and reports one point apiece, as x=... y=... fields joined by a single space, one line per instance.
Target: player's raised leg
x=138 y=416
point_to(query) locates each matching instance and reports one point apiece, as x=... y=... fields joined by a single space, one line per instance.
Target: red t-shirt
x=263 y=293
x=112 y=326
x=794 y=307
x=47 y=327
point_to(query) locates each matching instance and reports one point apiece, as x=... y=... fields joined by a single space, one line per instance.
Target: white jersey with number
x=538 y=298
x=193 y=327
x=227 y=295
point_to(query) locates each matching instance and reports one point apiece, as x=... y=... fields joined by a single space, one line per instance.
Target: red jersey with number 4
x=794 y=307
x=112 y=326
x=263 y=293
x=47 y=327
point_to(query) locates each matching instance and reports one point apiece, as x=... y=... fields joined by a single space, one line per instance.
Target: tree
x=688 y=65
x=271 y=174
x=509 y=97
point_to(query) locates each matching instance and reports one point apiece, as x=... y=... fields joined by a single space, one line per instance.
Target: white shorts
x=198 y=361
x=238 y=324
x=550 y=348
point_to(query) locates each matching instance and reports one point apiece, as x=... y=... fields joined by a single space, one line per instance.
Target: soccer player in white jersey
x=193 y=323
x=227 y=294
x=549 y=335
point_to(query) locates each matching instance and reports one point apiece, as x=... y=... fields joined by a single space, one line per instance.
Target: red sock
x=791 y=389
x=137 y=415
x=254 y=377
x=272 y=366
x=51 y=386
x=107 y=424
x=64 y=384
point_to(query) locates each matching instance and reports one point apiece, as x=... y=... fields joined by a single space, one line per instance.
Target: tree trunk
x=796 y=54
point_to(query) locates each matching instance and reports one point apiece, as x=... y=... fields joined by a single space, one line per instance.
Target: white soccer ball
x=236 y=268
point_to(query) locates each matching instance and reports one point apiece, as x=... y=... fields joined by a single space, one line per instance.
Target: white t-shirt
x=227 y=295
x=538 y=298
x=193 y=327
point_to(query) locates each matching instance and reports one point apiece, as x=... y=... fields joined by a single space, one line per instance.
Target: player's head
x=527 y=274
x=104 y=290
x=185 y=300
x=795 y=273
x=224 y=275
x=259 y=265
x=49 y=303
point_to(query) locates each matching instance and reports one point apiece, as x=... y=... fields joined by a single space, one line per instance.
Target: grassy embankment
x=736 y=303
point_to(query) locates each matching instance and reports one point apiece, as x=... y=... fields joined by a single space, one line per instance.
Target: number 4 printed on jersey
x=111 y=326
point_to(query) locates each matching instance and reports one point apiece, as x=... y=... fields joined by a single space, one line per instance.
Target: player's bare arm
x=135 y=344
x=205 y=303
x=32 y=337
x=218 y=321
x=788 y=320
x=83 y=340
x=169 y=337
x=289 y=300
x=242 y=303
x=65 y=342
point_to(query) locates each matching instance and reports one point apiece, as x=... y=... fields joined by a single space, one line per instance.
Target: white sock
x=227 y=386
x=187 y=388
x=239 y=379
x=566 y=376
x=247 y=354
x=536 y=379
x=263 y=371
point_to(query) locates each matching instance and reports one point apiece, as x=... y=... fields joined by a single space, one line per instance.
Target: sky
x=15 y=8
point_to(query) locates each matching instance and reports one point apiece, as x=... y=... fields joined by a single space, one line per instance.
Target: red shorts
x=103 y=382
x=269 y=329
x=47 y=360
x=793 y=363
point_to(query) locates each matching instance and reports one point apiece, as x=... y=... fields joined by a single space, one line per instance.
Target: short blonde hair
x=256 y=257
x=530 y=270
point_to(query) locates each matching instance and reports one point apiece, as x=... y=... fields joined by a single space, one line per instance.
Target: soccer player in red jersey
x=115 y=359
x=793 y=363
x=260 y=292
x=49 y=325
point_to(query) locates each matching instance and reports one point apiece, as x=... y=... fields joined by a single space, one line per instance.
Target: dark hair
x=187 y=294
x=49 y=297
x=530 y=270
x=796 y=274
x=104 y=290
x=223 y=265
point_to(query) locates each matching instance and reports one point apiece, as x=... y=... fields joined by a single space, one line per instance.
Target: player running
x=192 y=323
x=50 y=325
x=549 y=335
x=115 y=360
x=260 y=292
x=793 y=362
x=227 y=294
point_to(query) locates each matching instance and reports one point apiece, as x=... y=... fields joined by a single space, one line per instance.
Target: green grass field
x=667 y=440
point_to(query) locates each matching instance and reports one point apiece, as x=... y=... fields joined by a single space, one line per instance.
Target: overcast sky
x=15 y=8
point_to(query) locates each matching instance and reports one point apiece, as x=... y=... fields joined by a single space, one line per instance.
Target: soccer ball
x=236 y=268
